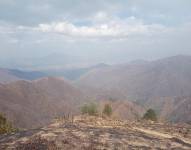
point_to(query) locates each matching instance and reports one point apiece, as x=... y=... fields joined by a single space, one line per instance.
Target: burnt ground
x=94 y=133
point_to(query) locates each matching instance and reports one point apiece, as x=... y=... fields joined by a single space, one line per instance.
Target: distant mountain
x=141 y=82
x=73 y=73
x=28 y=75
x=35 y=103
x=9 y=75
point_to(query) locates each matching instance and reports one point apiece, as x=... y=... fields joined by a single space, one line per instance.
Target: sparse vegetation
x=150 y=115
x=90 y=109
x=107 y=110
x=5 y=126
x=37 y=143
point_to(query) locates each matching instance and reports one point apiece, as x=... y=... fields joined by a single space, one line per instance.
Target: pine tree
x=5 y=126
x=107 y=110
x=150 y=115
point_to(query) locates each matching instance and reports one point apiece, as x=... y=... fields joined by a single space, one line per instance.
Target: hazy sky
x=102 y=30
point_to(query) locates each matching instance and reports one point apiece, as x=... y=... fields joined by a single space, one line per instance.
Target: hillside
x=141 y=81
x=182 y=111
x=125 y=110
x=85 y=133
x=176 y=109
x=6 y=76
x=34 y=103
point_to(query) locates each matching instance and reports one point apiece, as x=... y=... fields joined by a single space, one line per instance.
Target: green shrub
x=107 y=110
x=5 y=126
x=150 y=115
x=3 y=120
x=84 y=109
x=90 y=109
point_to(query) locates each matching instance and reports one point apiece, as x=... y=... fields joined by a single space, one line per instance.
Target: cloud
x=107 y=29
x=103 y=27
x=33 y=12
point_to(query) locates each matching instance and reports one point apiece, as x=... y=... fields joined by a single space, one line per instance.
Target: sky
x=94 y=31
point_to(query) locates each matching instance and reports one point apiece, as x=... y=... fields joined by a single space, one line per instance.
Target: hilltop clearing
x=83 y=132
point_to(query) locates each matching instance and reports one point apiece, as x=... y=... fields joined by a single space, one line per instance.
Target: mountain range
x=31 y=99
x=149 y=83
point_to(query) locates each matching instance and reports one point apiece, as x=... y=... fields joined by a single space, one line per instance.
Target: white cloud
x=112 y=29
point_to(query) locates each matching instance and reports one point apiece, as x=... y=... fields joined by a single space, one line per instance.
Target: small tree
x=107 y=110
x=3 y=120
x=90 y=109
x=150 y=115
x=84 y=109
x=5 y=126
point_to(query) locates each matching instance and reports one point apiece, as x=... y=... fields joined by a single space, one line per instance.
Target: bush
x=3 y=120
x=84 y=109
x=150 y=115
x=107 y=110
x=90 y=109
x=5 y=126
